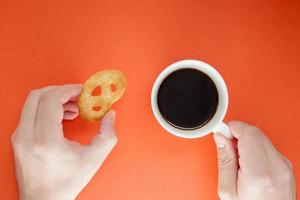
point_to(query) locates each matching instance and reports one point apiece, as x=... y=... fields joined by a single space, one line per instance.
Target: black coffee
x=187 y=98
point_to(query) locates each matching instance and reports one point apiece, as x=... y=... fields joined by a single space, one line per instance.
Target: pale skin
x=50 y=167
x=257 y=171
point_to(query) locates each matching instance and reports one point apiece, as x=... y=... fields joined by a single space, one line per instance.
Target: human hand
x=48 y=166
x=258 y=172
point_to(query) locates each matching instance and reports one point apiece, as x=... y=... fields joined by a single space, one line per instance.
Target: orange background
x=254 y=44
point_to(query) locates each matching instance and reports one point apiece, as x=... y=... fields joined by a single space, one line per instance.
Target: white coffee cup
x=216 y=123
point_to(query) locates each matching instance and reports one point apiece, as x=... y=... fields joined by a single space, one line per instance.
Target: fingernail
x=219 y=140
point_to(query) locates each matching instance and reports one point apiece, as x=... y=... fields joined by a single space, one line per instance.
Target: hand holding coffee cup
x=189 y=99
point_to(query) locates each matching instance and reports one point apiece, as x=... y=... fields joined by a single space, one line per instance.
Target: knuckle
x=234 y=122
x=46 y=97
x=33 y=93
x=15 y=141
x=286 y=173
x=254 y=130
x=237 y=124
x=288 y=164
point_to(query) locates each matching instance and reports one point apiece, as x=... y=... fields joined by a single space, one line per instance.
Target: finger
x=253 y=158
x=28 y=113
x=108 y=123
x=50 y=111
x=227 y=164
x=71 y=107
x=74 y=98
x=67 y=92
x=70 y=115
x=104 y=142
x=70 y=110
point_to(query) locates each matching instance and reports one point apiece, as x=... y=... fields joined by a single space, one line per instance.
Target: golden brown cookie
x=112 y=83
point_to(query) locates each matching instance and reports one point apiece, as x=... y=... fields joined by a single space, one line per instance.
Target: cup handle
x=224 y=129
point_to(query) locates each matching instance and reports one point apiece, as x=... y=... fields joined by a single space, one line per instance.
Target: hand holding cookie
x=112 y=84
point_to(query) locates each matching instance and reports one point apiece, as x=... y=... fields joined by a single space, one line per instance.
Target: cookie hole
x=113 y=87
x=97 y=108
x=97 y=91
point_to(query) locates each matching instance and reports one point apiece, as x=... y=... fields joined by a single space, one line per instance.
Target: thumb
x=108 y=124
x=104 y=141
x=227 y=164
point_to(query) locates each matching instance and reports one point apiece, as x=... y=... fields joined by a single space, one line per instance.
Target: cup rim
x=222 y=104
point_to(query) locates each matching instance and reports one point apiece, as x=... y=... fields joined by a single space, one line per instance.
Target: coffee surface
x=187 y=98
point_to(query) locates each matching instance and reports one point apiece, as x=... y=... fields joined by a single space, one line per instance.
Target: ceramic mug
x=216 y=123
